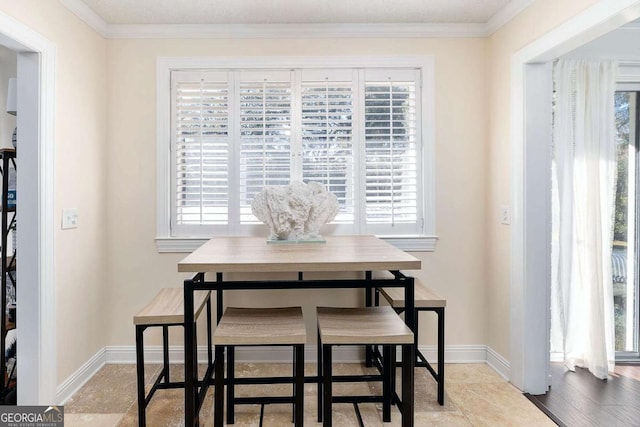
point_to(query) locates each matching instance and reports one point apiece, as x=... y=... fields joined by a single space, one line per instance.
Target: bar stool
x=378 y=326
x=167 y=309
x=258 y=327
x=425 y=300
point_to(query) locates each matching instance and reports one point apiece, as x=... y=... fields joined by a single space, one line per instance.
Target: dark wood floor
x=580 y=399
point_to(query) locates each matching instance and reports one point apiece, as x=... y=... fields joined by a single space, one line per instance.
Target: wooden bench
x=376 y=326
x=167 y=309
x=425 y=300
x=257 y=327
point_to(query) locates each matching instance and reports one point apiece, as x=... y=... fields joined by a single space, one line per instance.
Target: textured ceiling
x=294 y=11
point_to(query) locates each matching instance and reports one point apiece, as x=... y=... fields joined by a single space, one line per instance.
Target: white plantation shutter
x=355 y=131
x=200 y=143
x=327 y=98
x=391 y=151
x=265 y=134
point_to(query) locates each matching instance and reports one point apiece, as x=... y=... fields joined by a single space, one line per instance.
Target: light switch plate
x=505 y=215
x=69 y=218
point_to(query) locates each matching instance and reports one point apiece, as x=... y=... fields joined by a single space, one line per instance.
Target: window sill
x=405 y=243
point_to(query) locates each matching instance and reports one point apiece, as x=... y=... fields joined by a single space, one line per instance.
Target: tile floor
x=475 y=396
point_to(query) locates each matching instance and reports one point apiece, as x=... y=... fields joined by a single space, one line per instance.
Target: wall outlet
x=505 y=215
x=69 y=218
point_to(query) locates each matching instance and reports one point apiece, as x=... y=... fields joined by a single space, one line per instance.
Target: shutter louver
x=201 y=144
x=327 y=140
x=265 y=138
x=391 y=153
x=356 y=131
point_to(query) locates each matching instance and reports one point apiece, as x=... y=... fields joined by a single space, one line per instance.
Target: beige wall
x=80 y=177
x=541 y=17
x=106 y=167
x=456 y=269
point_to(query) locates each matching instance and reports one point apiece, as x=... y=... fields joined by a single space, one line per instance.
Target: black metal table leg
x=190 y=389
x=320 y=374
x=299 y=385
x=327 y=385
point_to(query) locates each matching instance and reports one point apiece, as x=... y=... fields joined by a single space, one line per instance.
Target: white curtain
x=584 y=154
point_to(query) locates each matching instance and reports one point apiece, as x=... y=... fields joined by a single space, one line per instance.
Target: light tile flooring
x=475 y=396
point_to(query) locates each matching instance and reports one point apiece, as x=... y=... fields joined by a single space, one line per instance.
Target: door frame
x=530 y=159
x=36 y=64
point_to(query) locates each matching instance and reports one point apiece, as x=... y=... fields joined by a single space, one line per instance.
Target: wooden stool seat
x=164 y=310
x=425 y=299
x=258 y=327
x=363 y=325
x=261 y=326
x=369 y=326
x=167 y=307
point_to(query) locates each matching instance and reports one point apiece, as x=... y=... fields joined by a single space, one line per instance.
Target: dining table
x=364 y=254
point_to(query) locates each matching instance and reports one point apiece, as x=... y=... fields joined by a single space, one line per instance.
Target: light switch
x=505 y=215
x=69 y=218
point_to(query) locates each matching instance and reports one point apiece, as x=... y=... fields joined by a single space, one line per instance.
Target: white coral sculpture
x=295 y=212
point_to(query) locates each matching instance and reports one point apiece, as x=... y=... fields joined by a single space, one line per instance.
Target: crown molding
x=506 y=14
x=280 y=31
x=633 y=25
x=86 y=14
x=305 y=31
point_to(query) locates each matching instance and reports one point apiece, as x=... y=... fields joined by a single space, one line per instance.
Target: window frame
x=165 y=242
x=624 y=356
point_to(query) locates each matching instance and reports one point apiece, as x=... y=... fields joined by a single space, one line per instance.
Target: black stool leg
x=440 y=314
x=368 y=349
x=326 y=380
x=320 y=374
x=387 y=372
x=408 y=364
x=298 y=388
x=231 y=384
x=295 y=383
x=140 y=372
x=165 y=353
x=218 y=410
x=209 y=329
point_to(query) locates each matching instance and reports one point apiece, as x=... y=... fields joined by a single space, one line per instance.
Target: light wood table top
x=339 y=253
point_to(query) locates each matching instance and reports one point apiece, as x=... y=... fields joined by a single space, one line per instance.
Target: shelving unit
x=8 y=271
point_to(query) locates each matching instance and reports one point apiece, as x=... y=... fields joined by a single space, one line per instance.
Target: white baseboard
x=263 y=354
x=498 y=363
x=276 y=354
x=80 y=377
x=346 y=354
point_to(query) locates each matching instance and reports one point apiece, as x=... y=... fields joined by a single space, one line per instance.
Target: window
x=359 y=131
x=625 y=234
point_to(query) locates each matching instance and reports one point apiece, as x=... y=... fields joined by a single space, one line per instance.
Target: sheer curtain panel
x=584 y=155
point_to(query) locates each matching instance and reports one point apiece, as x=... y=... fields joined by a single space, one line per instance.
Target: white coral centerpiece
x=295 y=212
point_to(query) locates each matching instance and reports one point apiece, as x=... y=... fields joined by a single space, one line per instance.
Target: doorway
x=530 y=246
x=34 y=208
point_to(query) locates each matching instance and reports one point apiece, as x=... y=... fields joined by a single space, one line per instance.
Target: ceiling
x=295 y=11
